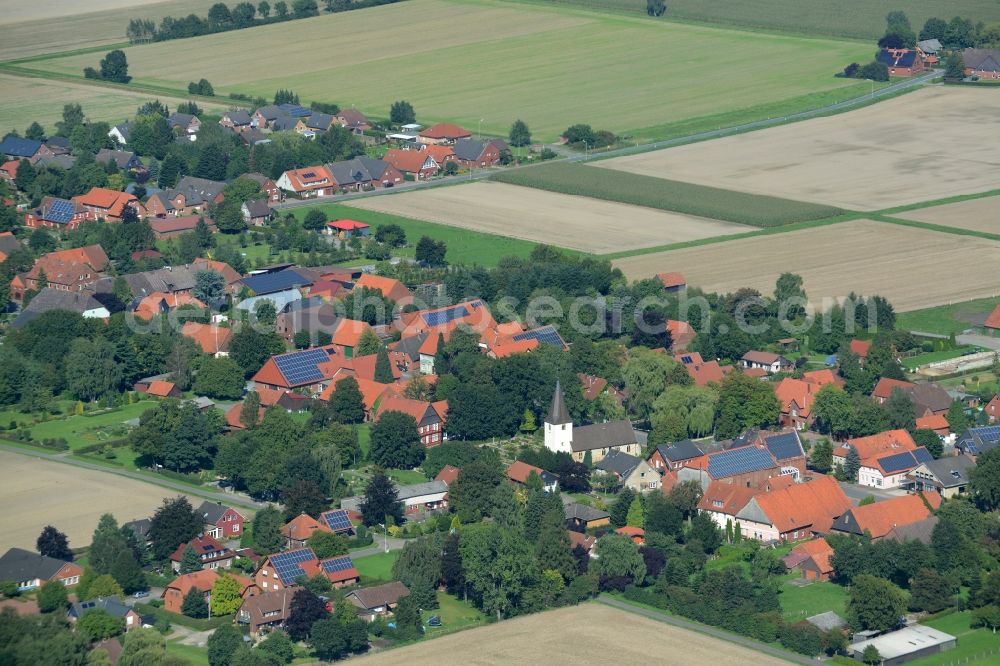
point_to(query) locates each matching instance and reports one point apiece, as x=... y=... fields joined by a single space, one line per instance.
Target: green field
x=863 y=19
x=196 y=656
x=455 y=614
x=83 y=430
x=946 y=319
x=798 y=603
x=495 y=61
x=913 y=362
x=377 y=567
x=975 y=646
x=751 y=209
x=464 y=247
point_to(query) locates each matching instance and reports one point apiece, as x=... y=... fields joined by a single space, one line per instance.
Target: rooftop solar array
x=897 y=462
x=739 y=461
x=922 y=455
x=446 y=316
x=269 y=283
x=337 y=520
x=978 y=437
x=60 y=211
x=545 y=335
x=287 y=564
x=337 y=564
x=687 y=360
x=301 y=367
x=784 y=446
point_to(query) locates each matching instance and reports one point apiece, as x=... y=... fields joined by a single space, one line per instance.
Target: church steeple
x=558 y=414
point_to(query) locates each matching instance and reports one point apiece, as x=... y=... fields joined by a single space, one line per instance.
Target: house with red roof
x=812 y=558
x=178 y=588
x=787 y=511
x=797 y=396
x=77 y=269
x=160 y=303
x=310 y=369
x=212 y=553
x=371 y=390
x=443 y=133
x=519 y=471
x=281 y=570
x=992 y=409
x=171 y=227
x=299 y=529
x=102 y=203
x=595 y=386
x=234 y=414
x=348 y=334
x=448 y=474
x=636 y=534
x=682 y=334
x=936 y=422
x=889 y=441
x=701 y=371
x=885 y=386
x=430 y=417
x=344 y=229
x=417 y=164
x=162 y=389
x=861 y=347
x=880 y=518
x=890 y=470
x=672 y=282
x=309 y=182
x=212 y=338
x=390 y=288
x=56 y=213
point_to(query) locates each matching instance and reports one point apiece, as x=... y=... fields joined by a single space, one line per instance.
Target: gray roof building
x=140 y=528
x=680 y=451
x=167 y=280
x=583 y=513
x=113 y=606
x=603 y=436
x=196 y=191
x=49 y=299
x=919 y=531
x=929 y=46
x=20 y=565
x=620 y=463
x=358 y=171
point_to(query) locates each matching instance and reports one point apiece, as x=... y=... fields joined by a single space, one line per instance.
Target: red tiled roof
x=820 y=377
x=302 y=526
x=394 y=403
x=445 y=131
x=890 y=441
x=111 y=200
x=586 y=541
x=881 y=517
x=160 y=388
x=371 y=390
x=802 y=393
x=993 y=320
x=860 y=347
x=933 y=422
x=814 y=504
x=520 y=471
x=727 y=498
x=349 y=332
x=407 y=161
x=819 y=551
x=885 y=387
x=347 y=225
x=681 y=332
x=203 y=543
x=149 y=306
x=212 y=338
x=166 y=225
x=204 y=580
x=448 y=474
x=233 y=416
x=391 y=288
x=671 y=280
x=592 y=386
x=228 y=273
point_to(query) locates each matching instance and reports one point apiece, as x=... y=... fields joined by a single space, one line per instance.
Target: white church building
x=598 y=438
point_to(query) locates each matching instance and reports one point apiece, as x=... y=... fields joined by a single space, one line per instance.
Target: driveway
x=856 y=493
x=378 y=546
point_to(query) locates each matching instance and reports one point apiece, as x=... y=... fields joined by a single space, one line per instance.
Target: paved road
x=378 y=546
x=978 y=340
x=708 y=630
x=628 y=150
x=237 y=499
x=856 y=493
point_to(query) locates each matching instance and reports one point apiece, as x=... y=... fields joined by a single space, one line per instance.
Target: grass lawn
x=196 y=656
x=464 y=246
x=976 y=645
x=946 y=319
x=504 y=61
x=406 y=476
x=913 y=362
x=364 y=439
x=798 y=603
x=455 y=614
x=376 y=567
x=728 y=556
x=83 y=430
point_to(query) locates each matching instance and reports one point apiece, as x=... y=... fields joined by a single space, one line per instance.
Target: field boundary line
x=930 y=226
x=708 y=630
x=934 y=203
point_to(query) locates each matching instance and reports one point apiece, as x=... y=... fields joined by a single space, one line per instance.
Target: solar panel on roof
x=922 y=455
x=784 y=446
x=686 y=360
x=337 y=520
x=338 y=564
x=545 y=335
x=301 y=367
x=897 y=462
x=739 y=461
x=446 y=316
x=60 y=211
x=286 y=565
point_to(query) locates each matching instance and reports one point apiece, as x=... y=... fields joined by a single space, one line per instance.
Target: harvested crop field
x=974 y=215
x=914 y=268
x=930 y=144
x=36 y=492
x=589 y=633
x=578 y=223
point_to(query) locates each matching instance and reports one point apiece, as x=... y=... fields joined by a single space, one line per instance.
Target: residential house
x=311 y=315
x=8 y=245
x=316 y=123
x=167 y=280
x=160 y=303
x=682 y=334
x=473 y=154
x=636 y=534
x=49 y=299
x=178 y=588
x=939 y=424
x=443 y=133
x=102 y=203
x=948 y=476
x=237 y=118
x=279 y=116
x=338 y=521
x=31 y=570
x=448 y=474
x=172 y=227
x=992 y=409
x=673 y=456
x=860 y=347
x=429 y=416
x=702 y=372
x=353 y=120
x=121 y=134
x=438 y=323
x=344 y=229
x=159 y=389
x=8 y=172
x=212 y=338
x=123 y=159
x=191 y=195
x=890 y=470
x=598 y=439
x=261 y=284
x=880 y=518
x=581 y=540
x=140 y=528
x=975 y=441
x=417 y=497
x=797 y=396
x=519 y=471
x=234 y=414
x=257 y=212
x=212 y=553
x=265 y=612
x=372 y=602
x=267 y=186
x=113 y=606
x=414 y=163
x=982 y=63
x=749 y=466
x=786 y=511
x=56 y=213
x=786 y=450
x=672 y=282
x=595 y=386
x=901 y=62
x=300 y=529
x=281 y=570
x=582 y=517
x=812 y=558
x=363 y=173
x=630 y=471
x=922 y=531
x=885 y=386
x=889 y=441
x=309 y=369
x=769 y=362
x=390 y=288
x=17 y=148
x=442 y=153
x=75 y=270
x=221 y=521
x=308 y=182
x=229 y=275
x=184 y=123
x=347 y=336
x=930 y=399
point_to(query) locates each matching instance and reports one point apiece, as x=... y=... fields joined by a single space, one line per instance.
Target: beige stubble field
x=913 y=268
x=974 y=214
x=587 y=634
x=579 y=223
x=926 y=145
x=36 y=492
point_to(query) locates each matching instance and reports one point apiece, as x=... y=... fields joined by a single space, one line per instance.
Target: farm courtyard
x=926 y=145
x=571 y=636
x=579 y=223
x=37 y=492
x=500 y=61
x=914 y=268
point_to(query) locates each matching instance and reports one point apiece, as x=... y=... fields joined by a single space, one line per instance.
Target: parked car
x=141 y=594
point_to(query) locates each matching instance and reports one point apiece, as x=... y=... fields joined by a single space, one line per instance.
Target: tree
x=281 y=8
x=267 y=526
x=97 y=624
x=852 y=463
x=409 y=624
x=250 y=410
x=223 y=642
x=226 y=598
x=519 y=135
x=305 y=610
x=931 y=592
x=266 y=312
x=314 y=220
x=419 y=568
x=987 y=616
x=91 y=369
x=128 y=573
x=635 y=517
x=326 y=544
x=985 y=480
x=106 y=543
x=304 y=9
x=745 y=402
x=821 y=456
x=264 y=8
x=218 y=14
x=174 y=523
x=53 y=543
x=402 y=113
x=251 y=349
x=114 y=67
x=304 y=496
x=499 y=567
x=102 y=586
x=471 y=495
x=704 y=530
x=954 y=67
x=619 y=510
x=431 y=252
x=395 y=441
x=243 y=14
x=383 y=368
x=655 y=7
x=52 y=597
x=619 y=556
x=897 y=23
x=552 y=546
x=874 y=604
x=190 y=560
x=194 y=604
x=278 y=645
x=220 y=378
x=209 y=285
x=380 y=501
x=871 y=655
x=930 y=440
x=957 y=420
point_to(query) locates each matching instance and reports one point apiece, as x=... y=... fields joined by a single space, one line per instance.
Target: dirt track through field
x=975 y=214
x=913 y=268
x=35 y=493
x=930 y=144
x=563 y=220
x=585 y=634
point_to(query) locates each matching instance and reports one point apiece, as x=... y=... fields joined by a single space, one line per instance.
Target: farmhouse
x=414 y=163
x=890 y=441
x=16 y=148
x=31 y=570
x=674 y=456
x=982 y=63
x=901 y=62
x=890 y=470
x=178 y=588
x=789 y=512
x=429 y=416
x=769 y=362
x=598 y=439
x=263 y=612
x=882 y=517
x=55 y=213
x=281 y=570
x=65 y=270
x=49 y=299
x=749 y=466
x=519 y=471
x=372 y=602
x=443 y=133
x=101 y=203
